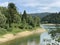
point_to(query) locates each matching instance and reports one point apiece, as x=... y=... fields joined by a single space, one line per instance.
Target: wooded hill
x=52 y=18
x=41 y=15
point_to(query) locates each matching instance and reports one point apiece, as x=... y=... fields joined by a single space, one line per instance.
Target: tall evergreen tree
x=24 y=16
x=13 y=16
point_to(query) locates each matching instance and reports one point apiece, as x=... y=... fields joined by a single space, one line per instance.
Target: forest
x=12 y=21
x=53 y=18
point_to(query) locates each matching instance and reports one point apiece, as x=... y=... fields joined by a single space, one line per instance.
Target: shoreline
x=8 y=37
x=50 y=24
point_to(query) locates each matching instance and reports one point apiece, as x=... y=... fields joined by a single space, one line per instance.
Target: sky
x=34 y=6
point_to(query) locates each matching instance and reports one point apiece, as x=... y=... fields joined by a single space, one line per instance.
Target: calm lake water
x=35 y=39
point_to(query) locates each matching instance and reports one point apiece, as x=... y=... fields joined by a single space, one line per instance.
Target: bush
x=21 y=26
x=15 y=30
x=6 y=26
x=30 y=27
x=25 y=26
x=14 y=25
x=3 y=31
x=9 y=29
x=2 y=20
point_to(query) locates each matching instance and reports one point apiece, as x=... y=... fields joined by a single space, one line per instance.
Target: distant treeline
x=52 y=18
x=11 y=18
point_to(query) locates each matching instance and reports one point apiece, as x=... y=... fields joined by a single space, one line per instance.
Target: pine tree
x=24 y=16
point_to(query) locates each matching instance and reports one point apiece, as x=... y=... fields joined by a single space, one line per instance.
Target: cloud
x=39 y=5
x=55 y=4
x=5 y=4
x=28 y=3
x=52 y=7
x=35 y=5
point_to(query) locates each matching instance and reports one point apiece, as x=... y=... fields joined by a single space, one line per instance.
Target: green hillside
x=52 y=18
x=41 y=15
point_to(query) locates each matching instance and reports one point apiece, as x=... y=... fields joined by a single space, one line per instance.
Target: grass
x=16 y=30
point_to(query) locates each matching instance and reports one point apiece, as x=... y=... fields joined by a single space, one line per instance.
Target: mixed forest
x=53 y=18
x=12 y=21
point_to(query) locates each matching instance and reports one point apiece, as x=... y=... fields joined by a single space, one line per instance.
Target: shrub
x=9 y=29
x=3 y=31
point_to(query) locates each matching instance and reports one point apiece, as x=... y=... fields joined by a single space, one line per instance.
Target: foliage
x=12 y=21
x=3 y=31
x=52 y=18
x=2 y=20
x=24 y=16
x=36 y=21
x=30 y=21
x=13 y=16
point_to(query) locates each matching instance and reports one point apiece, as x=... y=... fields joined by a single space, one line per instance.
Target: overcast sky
x=34 y=6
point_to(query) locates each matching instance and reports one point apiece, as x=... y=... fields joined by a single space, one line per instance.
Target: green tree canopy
x=13 y=16
x=2 y=20
x=24 y=16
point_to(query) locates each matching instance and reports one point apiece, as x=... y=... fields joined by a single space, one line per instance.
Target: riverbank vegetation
x=11 y=21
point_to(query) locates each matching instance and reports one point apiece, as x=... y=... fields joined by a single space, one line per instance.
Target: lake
x=36 y=39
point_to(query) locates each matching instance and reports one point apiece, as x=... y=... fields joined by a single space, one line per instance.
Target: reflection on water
x=45 y=38
x=34 y=41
